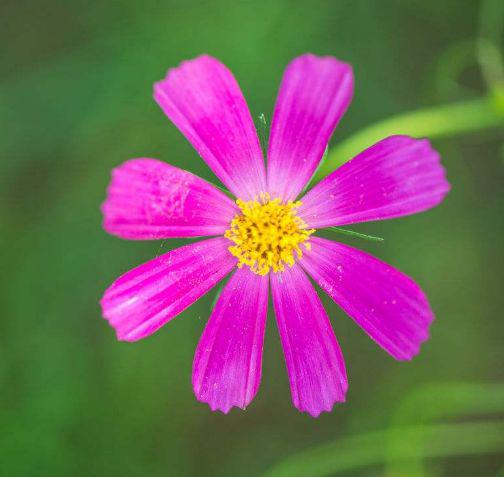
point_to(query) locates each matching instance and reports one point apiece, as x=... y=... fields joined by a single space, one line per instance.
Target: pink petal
x=388 y=305
x=141 y=301
x=314 y=361
x=149 y=199
x=227 y=363
x=397 y=176
x=314 y=94
x=204 y=101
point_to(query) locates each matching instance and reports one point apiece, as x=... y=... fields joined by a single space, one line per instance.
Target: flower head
x=267 y=234
x=266 y=238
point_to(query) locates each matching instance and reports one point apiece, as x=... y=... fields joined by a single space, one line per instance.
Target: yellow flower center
x=267 y=234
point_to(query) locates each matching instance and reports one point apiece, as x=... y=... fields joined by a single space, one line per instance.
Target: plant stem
x=433 y=122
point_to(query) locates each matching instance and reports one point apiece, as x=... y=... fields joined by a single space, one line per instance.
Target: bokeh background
x=75 y=101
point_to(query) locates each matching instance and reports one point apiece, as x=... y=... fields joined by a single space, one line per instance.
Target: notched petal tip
x=423 y=149
x=129 y=337
x=222 y=408
x=423 y=337
x=312 y=57
x=184 y=64
x=343 y=69
x=329 y=404
x=109 y=314
x=316 y=413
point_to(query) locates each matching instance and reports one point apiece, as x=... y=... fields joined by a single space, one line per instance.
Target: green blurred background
x=75 y=101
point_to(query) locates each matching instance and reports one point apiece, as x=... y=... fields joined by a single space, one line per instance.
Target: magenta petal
x=141 y=301
x=149 y=199
x=314 y=361
x=203 y=99
x=397 y=176
x=388 y=305
x=227 y=363
x=314 y=94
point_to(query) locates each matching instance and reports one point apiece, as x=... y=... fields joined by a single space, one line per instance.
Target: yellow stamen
x=267 y=234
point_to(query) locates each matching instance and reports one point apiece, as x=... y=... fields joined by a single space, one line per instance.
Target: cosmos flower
x=267 y=237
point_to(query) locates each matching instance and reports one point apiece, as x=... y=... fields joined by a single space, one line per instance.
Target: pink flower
x=267 y=237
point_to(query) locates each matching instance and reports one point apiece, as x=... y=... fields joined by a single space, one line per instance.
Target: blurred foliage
x=412 y=436
x=75 y=101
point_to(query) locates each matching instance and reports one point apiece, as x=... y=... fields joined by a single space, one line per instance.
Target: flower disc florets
x=267 y=234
